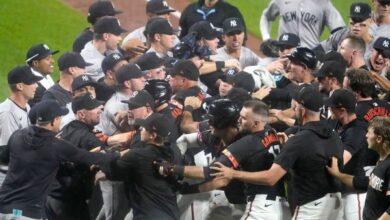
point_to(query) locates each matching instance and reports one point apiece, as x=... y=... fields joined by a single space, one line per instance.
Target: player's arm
x=349 y=180
x=268 y=177
x=385 y=216
x=269 y=14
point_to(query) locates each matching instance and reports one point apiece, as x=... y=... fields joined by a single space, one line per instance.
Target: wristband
x=188 y=108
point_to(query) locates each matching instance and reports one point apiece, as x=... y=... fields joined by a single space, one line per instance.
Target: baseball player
x=305 y=18
x=306 y=154
x=377 y=185
x=13 y=111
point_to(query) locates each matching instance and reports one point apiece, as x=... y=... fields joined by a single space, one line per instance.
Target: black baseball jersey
x=84 y=37
x=59 y=94
x=353 y=136
x=306 y=155
x=378 y=193
x=254 y=152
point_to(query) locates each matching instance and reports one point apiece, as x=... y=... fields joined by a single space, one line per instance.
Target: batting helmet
x=223 y=113
x=305 y=56
x=160 y=90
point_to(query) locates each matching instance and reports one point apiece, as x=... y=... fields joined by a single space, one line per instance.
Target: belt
x=269 y=197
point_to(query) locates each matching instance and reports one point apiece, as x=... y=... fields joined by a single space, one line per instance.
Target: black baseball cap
x=343 y=98
x=38 y=52
x=71 y=59
x=140 y=99
x=309 y=97
x=111 y=60
x=86 y=101
x=288 y=40
x=158 y=7
x=127 y=72
x=100 y=9
x=228 y=75
x=185 y=68
x=159 y=26
x=46 y=111
x=149 y=61
x=244 y=80
x=81 y=81
x=233 y=25
x=384 y=2
x=204 y=29
x=108 y=25
x=360 y=11
x=155 y=122
x=305 y=56
x=382 y=45
x=332 y=69
x=22 y=74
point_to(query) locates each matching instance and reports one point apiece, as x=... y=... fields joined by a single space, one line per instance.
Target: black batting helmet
x=223 y=113
x=305 y=56
x=160 y=90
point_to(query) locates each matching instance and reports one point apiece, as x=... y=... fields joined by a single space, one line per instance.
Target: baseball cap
x=38 y=52
x=309 y=97
x=111 y=60
x=228 y=75
x=360 y=11
x=149 y=61
x=232 y=25
x=100 y=9
x=155 y=122
x=71 y=59
x=127 y=72
x=140 y=99
x=108 y=25
x=305 y=56
x=342 y=98
x=46 y=110
x=204 y=29
x=81 y=81
x=22 y=74
x=382 y=45
x=332 y=69
x=185 y=68
x=288 y=40
x=384 y=2
x=244 y=80
x=159 y=26
x=86 y=101
x=158 y=7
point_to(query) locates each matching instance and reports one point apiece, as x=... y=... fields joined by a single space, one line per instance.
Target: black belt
x=3 y=171
x=269 y=197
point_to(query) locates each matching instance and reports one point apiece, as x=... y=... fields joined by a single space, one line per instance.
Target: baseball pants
x=353 y=204
x=328 y=207
x=260 y=207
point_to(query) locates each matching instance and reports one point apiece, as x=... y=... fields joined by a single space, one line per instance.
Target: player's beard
x=131 y=121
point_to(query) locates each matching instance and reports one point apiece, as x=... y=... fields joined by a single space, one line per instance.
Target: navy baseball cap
x=288 y=40
x=140 y=99
x=309 y=97
x=343 y=98
x=46 y=111
x=100 y=9
x=233 y=25
x=86 y=101
x=22 y=74
x=81 y=81
x=204 y=29
x=111 y=60
x=382 y=45
x=332 y=69
x=185 y=68
x=71 y=59
x=155 y=122
x=384 y=2
x=159 y=26
x=305 y=56
x=38 y=52
x=244 y=80
x=127 y=72
x=158 y=7
x=360 y=11
x=149 y=61
x=108 y=25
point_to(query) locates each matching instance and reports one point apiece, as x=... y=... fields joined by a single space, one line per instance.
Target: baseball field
x=57 y=23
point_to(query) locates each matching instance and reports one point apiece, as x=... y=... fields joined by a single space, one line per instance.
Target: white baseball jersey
x=247 y=57
x=305 y=18
x=92 y=55
x=112 y=106
x=137 y=33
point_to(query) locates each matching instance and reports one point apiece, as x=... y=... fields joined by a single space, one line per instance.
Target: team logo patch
x=233 y=23
x=357 y=9
x=285 y=37
x=386 y=43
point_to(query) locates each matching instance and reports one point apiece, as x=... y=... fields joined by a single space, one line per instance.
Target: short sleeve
x=289 y=154
x=272 y=11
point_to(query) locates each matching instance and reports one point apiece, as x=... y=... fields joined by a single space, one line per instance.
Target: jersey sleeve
x=8 y=126
x=332 y=18
x=289 y=153
x=272 y=11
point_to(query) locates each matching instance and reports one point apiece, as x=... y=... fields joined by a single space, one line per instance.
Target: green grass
x=28 y=22
x=252 y=9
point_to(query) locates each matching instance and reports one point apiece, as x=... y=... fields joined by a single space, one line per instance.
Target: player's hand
x=262 y=92
x=198 y=62
x=277 y=65
x=134 y=46
x=121 y=120
x=164 y=168
x=102 y=137
x=223 y=171
x=334 y=168
x=193 y=101
x=232 y=63
x=100 y=176
x=282 y=137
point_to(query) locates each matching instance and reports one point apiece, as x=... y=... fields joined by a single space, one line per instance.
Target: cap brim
x=63 y=111
x=96 y=103
x=233 y=30
x=165 y=11
x=281 y=44
x=141 y=122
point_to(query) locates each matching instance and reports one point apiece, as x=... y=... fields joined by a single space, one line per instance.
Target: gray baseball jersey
x=137 y=33
x=305 y=18
x=247 y=57
x=92 y=55
x=112 y=106
x=12 y=118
